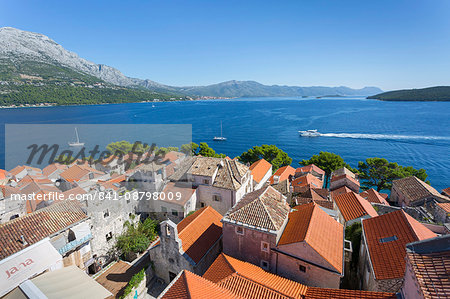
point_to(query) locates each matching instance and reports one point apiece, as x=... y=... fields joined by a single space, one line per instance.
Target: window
x=174 y=212
x=216 y=197
x=206 y=181
x=91 y=176
x=302 y=268
x=265 y=265
x=239 y=230
x=106 y=213
x=264 y=246
x=108 y=236
x=167 y=230
x=202 y=204
x=388 y=239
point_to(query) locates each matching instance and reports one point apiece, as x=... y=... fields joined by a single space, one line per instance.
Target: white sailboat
x=220 y=138
x=77 y=142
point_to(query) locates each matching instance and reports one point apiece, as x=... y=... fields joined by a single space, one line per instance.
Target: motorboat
x=309 y=133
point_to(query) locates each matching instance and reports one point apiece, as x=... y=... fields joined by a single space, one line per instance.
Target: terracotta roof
x=74 y=173
x=307 y=180
x=247 y=280
x=172 y=156
x=430 y=262
x=309 y=169
x=190 y=285
x=184 y=190
x=374 y=197
x=38 y=225
x=322 y=293
x=18 y=169
x=49 y=169
x=265 y=208
x=339 y=191
x=415 y=189
x=353 y=206
x=445 y=206
x=386 y=237
x=199 y=231
x=345 y=176
x=259 y=169
x=2 y=174
x=323 y=203
x=446 y=191
x=247 y=288
x=283 y=173
x=310 y=224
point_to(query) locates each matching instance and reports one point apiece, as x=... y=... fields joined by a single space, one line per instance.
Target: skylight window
x=388 y=239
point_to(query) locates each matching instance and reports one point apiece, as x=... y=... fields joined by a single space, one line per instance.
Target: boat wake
x=383 y=136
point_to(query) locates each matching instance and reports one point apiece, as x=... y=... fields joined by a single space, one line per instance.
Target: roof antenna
x=22 y=239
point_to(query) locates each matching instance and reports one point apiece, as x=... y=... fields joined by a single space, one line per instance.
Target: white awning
x=68 y=283
x=81 y=230
x=27 y=263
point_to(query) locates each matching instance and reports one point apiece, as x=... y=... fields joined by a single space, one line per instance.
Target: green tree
x=272 y=154
x=121 y=147
x=205 y=151
x=328 y=162
x=379 y=173
x=189 y=148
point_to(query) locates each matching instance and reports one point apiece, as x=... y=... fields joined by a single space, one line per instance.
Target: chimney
x=276 y=179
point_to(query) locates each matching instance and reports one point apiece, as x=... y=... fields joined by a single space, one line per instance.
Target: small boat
x=309 y=133
x=153 y=105
x=220 y=138
x=77 y=142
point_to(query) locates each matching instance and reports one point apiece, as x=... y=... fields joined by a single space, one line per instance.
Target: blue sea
x=409 y=133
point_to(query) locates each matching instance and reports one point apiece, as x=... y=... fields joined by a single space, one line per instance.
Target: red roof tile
x=259 y=169
x=225 y=266
x=430 y=262
x=374 y=197
x=309 y=169
x=388 y=255
x=312 y=225
x=446 y=191
x=445 y=206
x=190 y=285
x=353 y=206
x=322 y=293
x=198 y=232
x=283 y=173
x=245 y=280
x=339 y=191
x=38 y=225
x=307 y=180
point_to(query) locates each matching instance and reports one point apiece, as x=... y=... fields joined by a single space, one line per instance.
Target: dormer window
x=206 y=181
x=388 y=239
x=167 y=230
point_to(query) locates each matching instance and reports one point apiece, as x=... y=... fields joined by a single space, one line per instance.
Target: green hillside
x=32 y=82
x=438 y=93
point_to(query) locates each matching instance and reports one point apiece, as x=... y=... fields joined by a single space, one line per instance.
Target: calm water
x=410 y=133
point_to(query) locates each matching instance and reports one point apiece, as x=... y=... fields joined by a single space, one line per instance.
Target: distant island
x=437 y=93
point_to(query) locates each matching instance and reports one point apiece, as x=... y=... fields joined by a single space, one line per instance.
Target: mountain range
x=29 y=59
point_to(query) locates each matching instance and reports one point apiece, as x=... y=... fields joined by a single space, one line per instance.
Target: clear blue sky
x=390 y=44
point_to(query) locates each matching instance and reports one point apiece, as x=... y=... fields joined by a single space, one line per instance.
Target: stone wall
x=299 y=270
x=248 y=247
